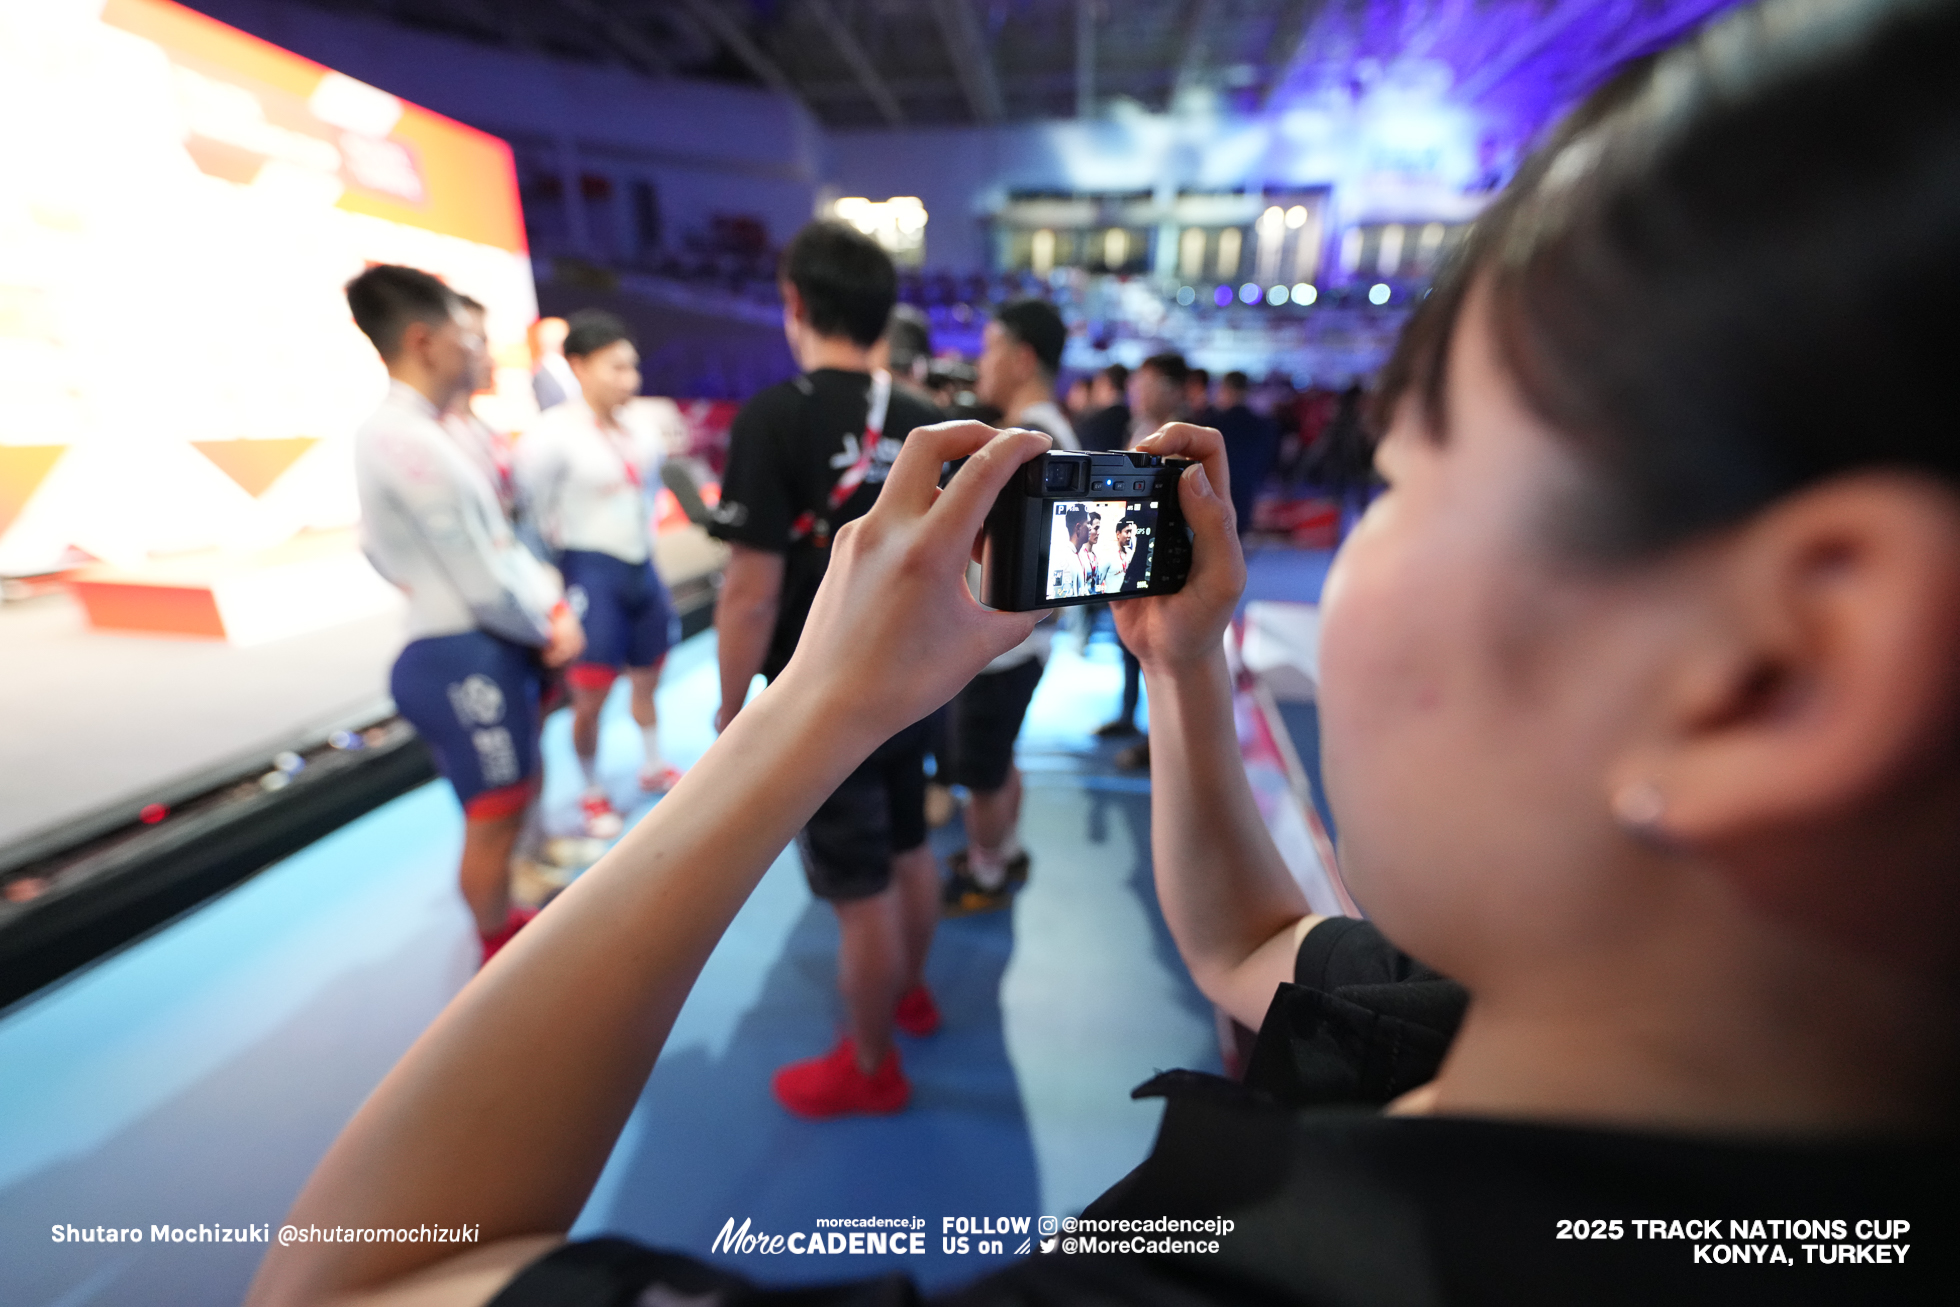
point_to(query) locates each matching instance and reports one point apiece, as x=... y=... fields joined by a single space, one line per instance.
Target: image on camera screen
x=1100 y=547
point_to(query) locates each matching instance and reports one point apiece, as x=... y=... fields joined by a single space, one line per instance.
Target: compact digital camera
x=1086 y=528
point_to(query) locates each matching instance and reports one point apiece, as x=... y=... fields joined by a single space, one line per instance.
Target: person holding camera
x=806 y=458
x=1640 y=709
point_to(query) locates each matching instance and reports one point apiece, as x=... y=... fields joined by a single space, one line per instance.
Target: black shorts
x=987 y=718
x=879 y=811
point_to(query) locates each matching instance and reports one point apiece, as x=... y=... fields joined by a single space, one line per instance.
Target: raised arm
x=1235 y=910
x=547 y=1049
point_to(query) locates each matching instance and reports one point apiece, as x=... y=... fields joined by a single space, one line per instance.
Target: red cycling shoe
x=916 y=1014
x=601 y=821
x=515 y=920
x=832 y=1085
x=658 y=780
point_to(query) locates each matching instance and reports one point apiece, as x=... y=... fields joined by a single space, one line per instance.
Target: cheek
x=1398 y=709
x=1380 y=624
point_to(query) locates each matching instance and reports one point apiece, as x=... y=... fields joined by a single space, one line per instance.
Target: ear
x=1810 y=740
x=414 y=339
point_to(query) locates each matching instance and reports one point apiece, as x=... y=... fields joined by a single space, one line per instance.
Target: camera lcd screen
x=1100 y=547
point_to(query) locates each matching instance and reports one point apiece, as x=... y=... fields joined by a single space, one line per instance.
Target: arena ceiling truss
x=896 y=63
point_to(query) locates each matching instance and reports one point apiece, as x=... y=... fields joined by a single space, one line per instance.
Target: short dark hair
x=1074 y=517
x=470 y=303
x=1130 y=520
x=590 y=330
x=1199 y=376
x=1169 y=365
x=388 y=297
x=1235 y=380
x=909 y=336
x=1118 y=375
x=1036 y=324
x=1713 y=318
x=846 y=279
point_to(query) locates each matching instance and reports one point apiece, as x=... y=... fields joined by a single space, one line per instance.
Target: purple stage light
x=1222 y=296
x=1482 y=81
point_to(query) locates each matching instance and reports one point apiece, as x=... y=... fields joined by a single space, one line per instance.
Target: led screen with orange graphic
x=179 y=372
x=22 y=470
x=397 y=161
x=254 y=464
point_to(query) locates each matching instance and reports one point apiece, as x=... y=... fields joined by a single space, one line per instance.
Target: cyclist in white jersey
x=586 y=472
x=483 y=613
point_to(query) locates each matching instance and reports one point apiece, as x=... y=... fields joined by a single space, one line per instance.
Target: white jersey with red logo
x=588 y=486
x=430 y=523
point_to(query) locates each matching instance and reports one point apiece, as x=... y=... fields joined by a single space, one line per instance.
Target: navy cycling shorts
x=628 y=617
x=474 y=698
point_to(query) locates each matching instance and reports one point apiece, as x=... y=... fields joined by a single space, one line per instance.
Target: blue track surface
x=195 y=1077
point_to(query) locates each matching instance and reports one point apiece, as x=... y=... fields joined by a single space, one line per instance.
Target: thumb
x=1002 y=631
x=1215 y=555
x=1205 y=509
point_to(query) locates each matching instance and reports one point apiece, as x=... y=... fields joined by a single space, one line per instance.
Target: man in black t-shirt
x=804 y=458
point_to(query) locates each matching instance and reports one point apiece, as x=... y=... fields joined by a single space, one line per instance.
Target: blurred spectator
x=906 y=352
x=1157 y=394
x=1108 y=425
x=1078 y=401
x=1251 y=444
x=1197 y=397
x=1341 y=463
x=1017 y=375
x=951 y=386
x=551 y=377
x=1017 y=368
x=1313 y=412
